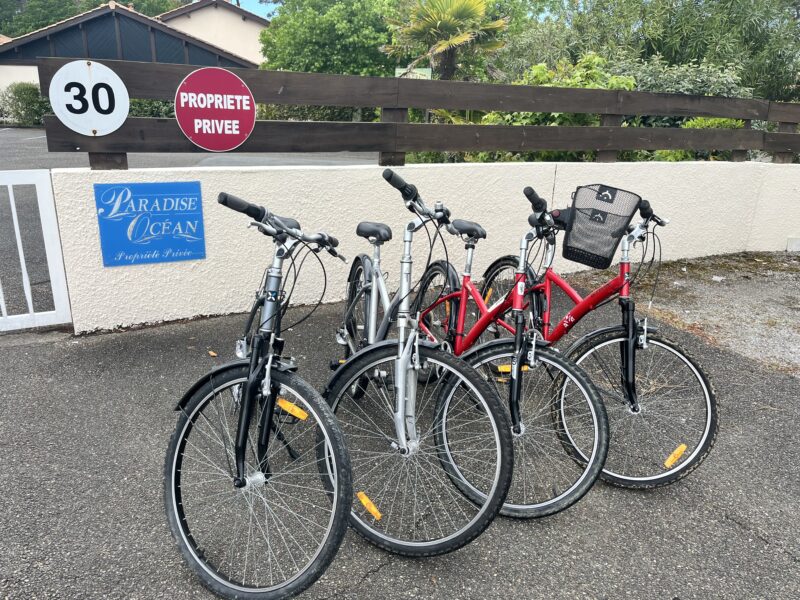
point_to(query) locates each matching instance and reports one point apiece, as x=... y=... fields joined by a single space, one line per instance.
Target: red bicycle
x=661 y=406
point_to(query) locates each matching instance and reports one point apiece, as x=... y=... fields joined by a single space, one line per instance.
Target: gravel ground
x=84 y=424
x=748 y=303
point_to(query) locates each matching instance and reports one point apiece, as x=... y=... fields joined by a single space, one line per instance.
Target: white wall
x=13 y=73
x=714 y=208
x=224 y=28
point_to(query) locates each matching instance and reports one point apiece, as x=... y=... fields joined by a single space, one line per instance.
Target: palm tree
x=438 y=30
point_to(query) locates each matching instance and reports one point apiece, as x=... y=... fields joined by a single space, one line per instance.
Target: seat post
x=470 y=253
x=372 y=318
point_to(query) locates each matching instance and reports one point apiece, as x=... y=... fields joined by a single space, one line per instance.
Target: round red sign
x=215 y=109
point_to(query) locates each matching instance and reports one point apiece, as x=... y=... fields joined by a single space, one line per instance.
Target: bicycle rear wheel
x=405 y=503
x=556 y=397
x=277 y=535
x=677 y=424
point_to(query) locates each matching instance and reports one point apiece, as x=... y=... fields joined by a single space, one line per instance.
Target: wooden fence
x=394 y=136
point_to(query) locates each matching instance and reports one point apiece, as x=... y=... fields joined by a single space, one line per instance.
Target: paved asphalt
x=84 y=424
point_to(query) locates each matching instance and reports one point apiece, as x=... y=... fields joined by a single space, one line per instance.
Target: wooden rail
x=394 y=136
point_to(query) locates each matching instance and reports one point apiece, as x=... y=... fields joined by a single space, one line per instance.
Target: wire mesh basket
x=600 y=216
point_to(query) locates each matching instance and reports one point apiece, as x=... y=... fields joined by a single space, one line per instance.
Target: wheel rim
x=645 y=443
x=243 y=537
x=545 y=471
x=419 y=505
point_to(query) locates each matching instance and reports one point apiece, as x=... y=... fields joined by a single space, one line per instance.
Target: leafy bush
x=152 y=108
x=281 y=112
x=24 y=105
x=589 y=72
x=700 y=123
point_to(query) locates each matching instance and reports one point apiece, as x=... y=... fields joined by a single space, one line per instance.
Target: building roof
x=200 y=4
x=165 y=43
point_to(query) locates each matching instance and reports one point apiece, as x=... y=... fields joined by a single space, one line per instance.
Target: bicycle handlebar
x=414 y=202
x=538 y=203
x=272 y=225
x=243 y=206
x=408 y=191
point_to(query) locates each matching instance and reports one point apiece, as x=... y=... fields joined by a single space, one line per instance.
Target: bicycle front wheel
x=274 y=537
x=405 y=502
x=676 y=425
x=560 y=411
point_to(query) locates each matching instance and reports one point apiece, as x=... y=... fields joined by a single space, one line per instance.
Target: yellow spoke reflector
x=292 y=409
x=675 y=456
x=507 y=368
x=447 y=309
x=369 y=505
x=488 y=295
x=502 y=379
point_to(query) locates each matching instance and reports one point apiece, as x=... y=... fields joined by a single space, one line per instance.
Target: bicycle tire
x=599 y=355
x=362 y=425
x=183 y=483
x=548 y=475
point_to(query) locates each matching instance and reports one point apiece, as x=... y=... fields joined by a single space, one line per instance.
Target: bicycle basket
x=600 y=216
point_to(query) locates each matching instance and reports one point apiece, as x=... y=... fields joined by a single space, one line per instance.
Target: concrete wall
x=13 y=73
x=223 y=28
x=714 y=208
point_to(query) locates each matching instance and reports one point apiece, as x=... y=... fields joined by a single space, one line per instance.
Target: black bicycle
x=257 y=483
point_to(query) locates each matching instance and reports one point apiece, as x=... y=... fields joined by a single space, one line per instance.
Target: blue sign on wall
x=150 y=222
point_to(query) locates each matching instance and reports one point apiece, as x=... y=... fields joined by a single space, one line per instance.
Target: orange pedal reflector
x=507 y=368
x=292 y=409
x=369 y=505
x=675 y=456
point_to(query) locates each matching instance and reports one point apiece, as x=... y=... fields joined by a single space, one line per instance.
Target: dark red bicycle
x=661 y=406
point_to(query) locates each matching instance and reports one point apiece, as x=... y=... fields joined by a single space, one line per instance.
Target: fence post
x=784 y=157
x=741 y=155
x=608 y=121
x=393 y=115
x=108 y=161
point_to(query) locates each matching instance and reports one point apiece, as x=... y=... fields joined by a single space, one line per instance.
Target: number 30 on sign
x=89 y=98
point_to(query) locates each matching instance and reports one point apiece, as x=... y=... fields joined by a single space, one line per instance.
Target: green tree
x=763 y=36
x=18 y=17
x=439 y=31
x=324 y=36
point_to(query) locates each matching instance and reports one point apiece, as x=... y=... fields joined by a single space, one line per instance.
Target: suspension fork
x=628 y=353
x=520 y=348
x=257 y=366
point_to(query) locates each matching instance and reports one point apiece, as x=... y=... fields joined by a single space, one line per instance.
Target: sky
x=254 y=6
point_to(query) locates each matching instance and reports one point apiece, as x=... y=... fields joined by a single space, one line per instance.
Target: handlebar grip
x=538 y=203
x=332 y=241
x=256 y=213
x=408 y=191
x=645 y=210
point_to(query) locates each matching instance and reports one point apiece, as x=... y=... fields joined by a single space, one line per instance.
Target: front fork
x=406 y=368
x=520 y=350
x=628 y=353
x=259 y=367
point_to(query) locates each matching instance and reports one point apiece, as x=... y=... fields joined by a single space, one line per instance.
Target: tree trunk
x=446 y=65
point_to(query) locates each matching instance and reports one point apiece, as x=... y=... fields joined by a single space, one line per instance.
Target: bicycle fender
x=602 y=331
x=334 y=380
x=279 y=365
x=236 y=364
x=540 y=343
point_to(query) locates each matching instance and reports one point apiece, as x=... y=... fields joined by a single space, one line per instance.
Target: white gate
x=33 y=287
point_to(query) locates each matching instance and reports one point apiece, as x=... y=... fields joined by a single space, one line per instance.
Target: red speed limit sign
x=215 y=109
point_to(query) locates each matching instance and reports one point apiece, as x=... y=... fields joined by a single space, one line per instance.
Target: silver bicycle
x=419 y=446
